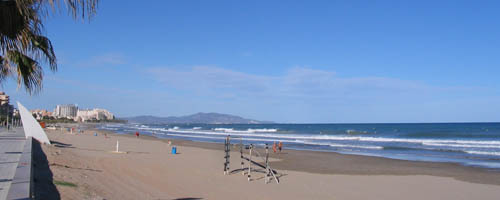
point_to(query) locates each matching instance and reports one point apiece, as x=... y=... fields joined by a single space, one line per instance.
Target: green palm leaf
x=22 y=45
x=29 y=72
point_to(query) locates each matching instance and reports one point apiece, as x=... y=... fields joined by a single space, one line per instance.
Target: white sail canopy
x=31 y=126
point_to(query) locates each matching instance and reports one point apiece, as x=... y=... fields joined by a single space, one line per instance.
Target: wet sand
x=149 y=171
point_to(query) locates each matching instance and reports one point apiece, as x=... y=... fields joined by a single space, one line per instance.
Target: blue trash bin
x=174 y=150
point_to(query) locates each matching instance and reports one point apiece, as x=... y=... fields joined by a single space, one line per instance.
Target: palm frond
x=4 y=69
x=23 y=46
x=29 y=72
x=85 y=8
x=42 y=49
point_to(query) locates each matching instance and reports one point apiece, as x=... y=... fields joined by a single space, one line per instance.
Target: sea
x=470 y=144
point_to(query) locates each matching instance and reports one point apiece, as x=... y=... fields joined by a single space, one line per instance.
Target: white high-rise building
x=94 y=114
x=68 y=111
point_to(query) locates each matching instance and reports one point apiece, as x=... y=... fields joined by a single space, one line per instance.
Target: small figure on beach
x=137 y=134
x=95 y=134
x=106 y=135
x=280 y=146
x=169 y=143
x=274 y=147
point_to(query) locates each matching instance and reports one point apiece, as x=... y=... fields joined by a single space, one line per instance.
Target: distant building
x=41 y=114
x=67 y=111
x=4 y=99
x=5 y=108
x=15 y=113
x=93 y=114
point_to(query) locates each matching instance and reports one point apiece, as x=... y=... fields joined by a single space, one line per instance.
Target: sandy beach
x=149 y=171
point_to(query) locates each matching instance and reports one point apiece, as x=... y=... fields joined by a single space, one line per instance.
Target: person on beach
x=280 y=146
x=274 y=147
x=137 y=134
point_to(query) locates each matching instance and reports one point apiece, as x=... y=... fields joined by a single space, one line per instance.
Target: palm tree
x=23 y=47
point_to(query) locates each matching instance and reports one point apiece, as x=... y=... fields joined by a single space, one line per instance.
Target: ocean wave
x=250 y=130
x=263 y=130
x=356 y=146
x=355 y=132
x=484 y=153
x=195 y=136
x=269 y=134
x=339 y=145
x=223 y=138
x=196 y=128
x=340 y=138
x=461 y=145
x=223 y=129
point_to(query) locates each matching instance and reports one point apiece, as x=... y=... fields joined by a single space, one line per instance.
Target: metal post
x=227 y=150
x=250 y=162
x=267 y=164
x=241 y=156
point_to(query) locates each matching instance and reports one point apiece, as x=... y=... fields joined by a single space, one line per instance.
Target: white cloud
x=298 y=82
x=104 y=59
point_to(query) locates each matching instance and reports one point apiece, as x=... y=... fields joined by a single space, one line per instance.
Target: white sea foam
x=340 y=145
x=222 y=138
x=351 y=131
x=223 y=129
x=461 y=145
x=257 y=130
x=268 y=133
x=195 y=136
x=263 y=130
x=340 y=138
x=484 y=153
x=356 y=146
x=196 y=128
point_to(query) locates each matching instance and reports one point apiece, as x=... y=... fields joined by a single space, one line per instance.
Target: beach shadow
x=69 y=167
x=61 y=145
x=137 y=152
x=98 y=150
x=43 y=176
x=8 y=162
x=14 y=152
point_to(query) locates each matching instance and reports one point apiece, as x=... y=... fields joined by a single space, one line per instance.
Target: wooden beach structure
x=253 y=166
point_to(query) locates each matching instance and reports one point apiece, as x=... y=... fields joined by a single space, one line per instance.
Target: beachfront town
x=66 y=111
x=71 y=111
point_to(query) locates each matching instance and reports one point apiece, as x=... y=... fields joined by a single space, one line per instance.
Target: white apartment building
x=93 y=114
x=68 y=111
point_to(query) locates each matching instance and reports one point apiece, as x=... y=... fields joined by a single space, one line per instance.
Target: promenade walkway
x=15 y=164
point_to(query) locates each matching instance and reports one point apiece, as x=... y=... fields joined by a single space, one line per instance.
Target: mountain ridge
x=197 y=118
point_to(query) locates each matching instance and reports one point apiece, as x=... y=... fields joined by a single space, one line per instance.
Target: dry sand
x=149 y=171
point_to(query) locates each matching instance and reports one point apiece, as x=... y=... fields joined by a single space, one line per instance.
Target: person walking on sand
x=137 y=134
x=274 y=147
x=280 y=146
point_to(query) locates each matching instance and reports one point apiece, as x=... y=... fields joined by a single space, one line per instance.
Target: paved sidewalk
x=11 y=148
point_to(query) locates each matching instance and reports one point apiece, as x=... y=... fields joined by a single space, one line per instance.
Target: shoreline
x=325 y=162
x=83 y=166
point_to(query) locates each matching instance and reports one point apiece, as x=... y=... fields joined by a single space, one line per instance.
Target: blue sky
x=285 y=61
